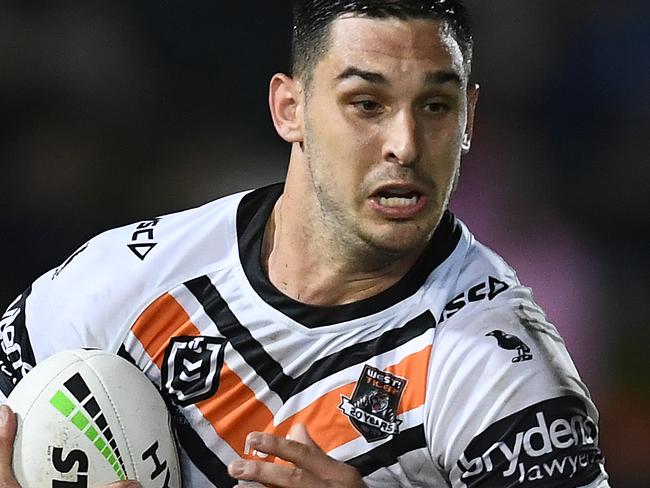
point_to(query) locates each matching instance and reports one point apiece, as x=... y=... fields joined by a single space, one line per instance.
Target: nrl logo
x=373 y=407
x=190 y=372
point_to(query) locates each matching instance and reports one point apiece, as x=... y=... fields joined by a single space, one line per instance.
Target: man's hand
x=311 y=468
x=7 y=435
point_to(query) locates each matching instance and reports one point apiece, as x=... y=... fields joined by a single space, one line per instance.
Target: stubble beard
x=334 y=224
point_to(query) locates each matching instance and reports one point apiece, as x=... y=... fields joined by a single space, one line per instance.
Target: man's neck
x=310 y=266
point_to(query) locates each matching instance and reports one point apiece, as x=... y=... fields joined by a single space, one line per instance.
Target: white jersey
x=450 y=378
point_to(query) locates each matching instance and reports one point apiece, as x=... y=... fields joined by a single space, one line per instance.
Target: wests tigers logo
x=373 y=407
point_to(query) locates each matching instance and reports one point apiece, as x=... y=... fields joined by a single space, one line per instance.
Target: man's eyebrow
x=369 y=76
x=442 y=77
x=431 y=78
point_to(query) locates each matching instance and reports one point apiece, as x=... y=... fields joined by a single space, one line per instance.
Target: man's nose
x=400 y=144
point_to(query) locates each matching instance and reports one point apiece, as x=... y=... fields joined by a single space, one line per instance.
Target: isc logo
x=488 y=289
x=75 y=459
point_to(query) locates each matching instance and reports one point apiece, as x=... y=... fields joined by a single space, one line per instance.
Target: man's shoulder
x=491 y=321
x=479 y=258
x=102 y=286
x=119 y=271
x=168 y=244
x=472 y=278
x=502 y=376
x=487 y=306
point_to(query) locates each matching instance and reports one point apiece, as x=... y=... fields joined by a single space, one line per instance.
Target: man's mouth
x=398 y=201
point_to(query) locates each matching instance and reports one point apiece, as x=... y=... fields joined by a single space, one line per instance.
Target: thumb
x=298 y=433
x=7 y=435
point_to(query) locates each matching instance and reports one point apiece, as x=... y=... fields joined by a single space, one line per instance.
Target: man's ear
x=285 y=102
x=472 y=99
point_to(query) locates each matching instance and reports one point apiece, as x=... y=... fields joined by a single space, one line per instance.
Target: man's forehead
x=358 y=38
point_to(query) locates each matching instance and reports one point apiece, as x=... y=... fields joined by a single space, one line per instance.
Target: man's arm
x=86 y=301
x=507 y=406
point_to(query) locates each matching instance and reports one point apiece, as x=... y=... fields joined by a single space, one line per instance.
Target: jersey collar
x=252 y=215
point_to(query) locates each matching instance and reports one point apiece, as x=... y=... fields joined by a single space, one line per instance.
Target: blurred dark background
x=112 y=112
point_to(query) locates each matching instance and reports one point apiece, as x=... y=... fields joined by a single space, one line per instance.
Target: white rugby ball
x=88 y=418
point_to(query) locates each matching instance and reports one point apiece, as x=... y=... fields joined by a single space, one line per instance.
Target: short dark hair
x=312 y=20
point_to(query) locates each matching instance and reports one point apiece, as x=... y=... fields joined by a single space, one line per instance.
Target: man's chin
x=399 y=241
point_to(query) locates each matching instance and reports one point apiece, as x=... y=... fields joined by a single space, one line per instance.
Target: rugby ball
x=87 y=418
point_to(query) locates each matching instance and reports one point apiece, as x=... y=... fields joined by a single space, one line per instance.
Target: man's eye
x=437 y=107
x=369 y=106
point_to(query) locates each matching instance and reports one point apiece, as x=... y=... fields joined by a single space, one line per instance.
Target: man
x=349 y=330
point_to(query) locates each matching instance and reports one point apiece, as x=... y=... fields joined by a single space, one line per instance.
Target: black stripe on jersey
x=270 y=370
x=388 y=453
x=361 y=352
x=201 y=456
x=239 y=336
x=123 y=353
x=252 y=215
x=16 y=353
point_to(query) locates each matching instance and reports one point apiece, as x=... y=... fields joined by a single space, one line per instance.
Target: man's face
x=385 y=115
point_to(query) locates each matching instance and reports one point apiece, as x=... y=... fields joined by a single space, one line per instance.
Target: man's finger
x=7 y=434
x=312 y=464
x=298 y=432
x=304 y=455
x=273 y=474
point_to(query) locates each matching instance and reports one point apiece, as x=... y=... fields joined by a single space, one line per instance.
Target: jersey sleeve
x=93 y=298
x=85 y=302
x=506 y=406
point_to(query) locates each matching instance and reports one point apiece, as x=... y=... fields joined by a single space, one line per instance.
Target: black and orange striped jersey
x=450 y=378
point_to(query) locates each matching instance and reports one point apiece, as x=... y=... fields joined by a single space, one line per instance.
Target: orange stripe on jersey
x=234 y=411
x=327 y=425
x=414 y=368
x=162 y=320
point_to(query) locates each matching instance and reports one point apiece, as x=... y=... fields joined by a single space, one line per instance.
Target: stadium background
x=113 y=112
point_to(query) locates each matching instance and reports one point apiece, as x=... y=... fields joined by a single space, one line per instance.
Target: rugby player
x=349 y=329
